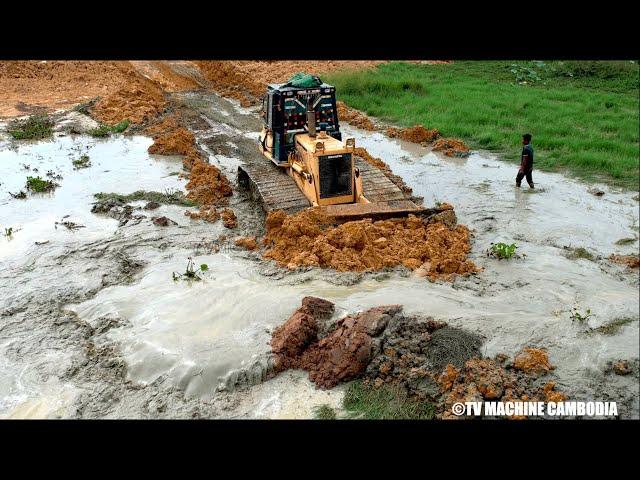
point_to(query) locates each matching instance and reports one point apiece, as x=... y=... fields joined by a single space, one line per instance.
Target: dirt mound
x=451 y=147
x=428 y=359
x=415 y=134
x=52 y=85
x=493 y=379
x=207 y=186
x=307 y=239
x=246 y=81
x=354 y=117
x=534 y=361
x=631 y=261
x=229 y=218
x=289 y=340
x=250 y=243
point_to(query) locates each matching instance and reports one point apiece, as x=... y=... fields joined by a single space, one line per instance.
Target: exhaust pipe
x=311 y=118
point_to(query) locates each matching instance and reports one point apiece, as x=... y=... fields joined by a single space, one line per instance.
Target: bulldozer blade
x=375 y=210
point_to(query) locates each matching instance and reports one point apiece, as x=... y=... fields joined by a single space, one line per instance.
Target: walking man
x=526 y=162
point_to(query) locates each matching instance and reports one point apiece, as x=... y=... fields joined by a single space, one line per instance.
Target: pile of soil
x=494 y=380
x=31 y=85
x=172 y=76
x=138 y=100
x=207 y=186
x=246 y=81
x=415 y=134
x=631 y=261
x=309 y=239
x=430 y=360
x=451 y=147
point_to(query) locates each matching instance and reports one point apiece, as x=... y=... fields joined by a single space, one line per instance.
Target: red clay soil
x=354 y=344
x=207 y=186
x=415 y=134
x=492 y=380
x=534 y=361
x=246 y=81
x=631 y=261
x=451 y=147
x=341 y=355
x=308 y=239
x=249 y=243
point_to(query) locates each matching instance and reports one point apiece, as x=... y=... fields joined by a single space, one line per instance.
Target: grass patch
x=83 y=162
x=324 y=412
x=35 y=127
x=583 y=115
x=40 y=185
x=579 y=253
x=105 y=130
x=384 y=403
x=626 y=241
x=613 y=327
x=169 y=197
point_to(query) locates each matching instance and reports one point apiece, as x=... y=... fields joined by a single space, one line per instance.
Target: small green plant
x=104 y=130
x=83 y=162
x=40 y=185
x=8 y=231
x=191 y=273
x=324 y=412
x=501 y=250
x=35 y=127
x=580 y=317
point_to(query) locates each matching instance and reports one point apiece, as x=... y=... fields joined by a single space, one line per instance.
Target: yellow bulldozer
x=310 y=164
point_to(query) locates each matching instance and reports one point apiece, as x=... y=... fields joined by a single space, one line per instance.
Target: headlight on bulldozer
x=350 y=142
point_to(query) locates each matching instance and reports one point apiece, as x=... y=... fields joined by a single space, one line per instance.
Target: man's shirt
x=526 y=160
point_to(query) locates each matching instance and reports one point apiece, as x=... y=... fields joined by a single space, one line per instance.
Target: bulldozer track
x=275 y=190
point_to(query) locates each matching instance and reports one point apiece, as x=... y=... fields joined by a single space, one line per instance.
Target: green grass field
x=584 y=116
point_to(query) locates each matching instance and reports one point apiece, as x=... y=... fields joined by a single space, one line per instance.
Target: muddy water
x=198 y=336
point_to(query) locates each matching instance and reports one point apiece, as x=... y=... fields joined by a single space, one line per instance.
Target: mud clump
x=534 y=361
x=415 y=134
x=208 y=187
x=162 y=221
x=229 y=219
x=451 y=147
x=248 y=243
x=426 y=359
x=631 y=261
x=308 y=239
x=289 y=340
x=492 y=379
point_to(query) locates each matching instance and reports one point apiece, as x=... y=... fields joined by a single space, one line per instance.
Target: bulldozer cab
x=285 y=114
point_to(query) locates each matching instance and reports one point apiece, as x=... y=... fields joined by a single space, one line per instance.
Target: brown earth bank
x=121 y=92
x=631 y=261
x=432 y=361
x=246 y=81
x=436 y=247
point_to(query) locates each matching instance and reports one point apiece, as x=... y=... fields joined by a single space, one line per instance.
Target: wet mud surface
x=93 y=325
